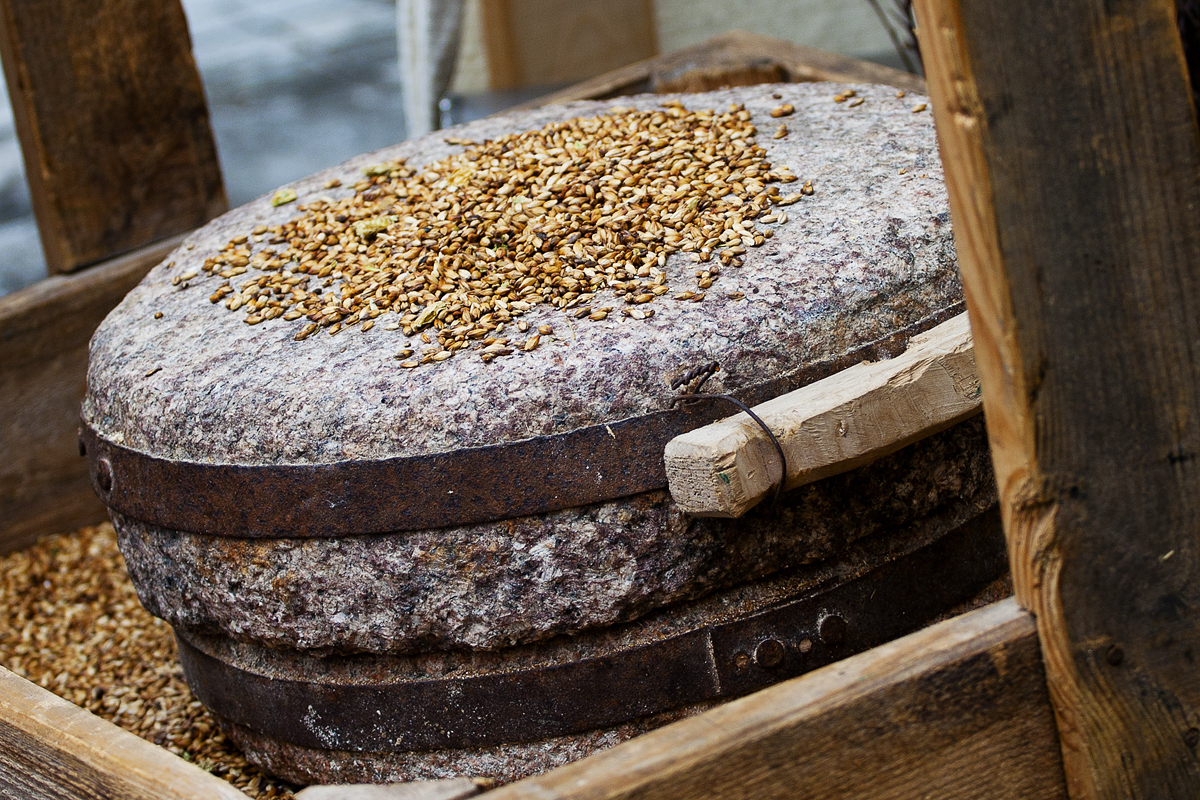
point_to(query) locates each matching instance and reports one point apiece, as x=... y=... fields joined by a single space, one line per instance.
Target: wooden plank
x=547 y=42
x=1071 y=153
x=44 y=333
x=957 y=710
x=499 y=43
x=446 y=789
x=836 y=424
x=552 y=42
x=737 y=58
x=113 y=124
x=53 y=750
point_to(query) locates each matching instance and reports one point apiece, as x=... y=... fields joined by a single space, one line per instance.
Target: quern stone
x=866 y=253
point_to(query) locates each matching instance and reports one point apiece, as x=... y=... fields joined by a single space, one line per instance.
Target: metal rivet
x=104 y=475
x=805 y=645
x=1115 y=655
x=832 y=629
x=82 y=445
x=741 y=660
x=768 y=654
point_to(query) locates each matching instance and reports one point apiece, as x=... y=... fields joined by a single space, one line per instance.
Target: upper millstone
x=869 y=251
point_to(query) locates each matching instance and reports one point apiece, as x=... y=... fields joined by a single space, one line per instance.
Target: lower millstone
x=497 y=585
x=403 y=718
x=502 y=763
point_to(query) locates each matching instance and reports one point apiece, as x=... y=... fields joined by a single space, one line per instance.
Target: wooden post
x=548 y=42
x=1072 y=157
x=44 y=333
x=113 y=124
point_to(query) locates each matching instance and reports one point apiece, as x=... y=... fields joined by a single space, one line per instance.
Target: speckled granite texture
x=869 y=252
x=515 y=760
x=499 y=584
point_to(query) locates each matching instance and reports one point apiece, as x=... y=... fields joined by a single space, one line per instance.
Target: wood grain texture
x=737 y=58
x=551 y=42
x=53 y=750
x=1072 y=153
x=447 y=789
x=828 y=427
x=113 y=124
x=956 y=710
x=44 y=333
x=499 y=43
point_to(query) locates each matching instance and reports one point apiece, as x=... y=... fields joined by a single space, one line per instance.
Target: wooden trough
x=1071 y=151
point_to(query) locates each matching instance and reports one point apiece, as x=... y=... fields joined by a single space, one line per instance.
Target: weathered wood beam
x=551 y=42
x=113 y=124
x=844 y=421
x=44 y=333
x=1072 y=158
x=445 y=789
x=957 y=710
x=53 y=750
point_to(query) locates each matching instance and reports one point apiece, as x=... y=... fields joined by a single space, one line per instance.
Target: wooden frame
x=55 y=750
x=1071 y=152
x=44 y=333
x=121 y=161
x=552 y=42
x=113 y=124
x=1076 y=228
x=956 y=710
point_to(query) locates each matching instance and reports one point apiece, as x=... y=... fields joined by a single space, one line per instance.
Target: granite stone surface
x=869 y=252
x=333 y=762
x=495 y=585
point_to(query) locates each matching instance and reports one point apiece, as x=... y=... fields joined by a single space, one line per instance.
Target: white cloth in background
x=427 y=37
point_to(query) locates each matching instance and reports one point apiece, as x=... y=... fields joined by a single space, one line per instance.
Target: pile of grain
x=552 y=216
x=71 y=622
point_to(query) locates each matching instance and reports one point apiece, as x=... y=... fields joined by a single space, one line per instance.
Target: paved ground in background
x=294 y=86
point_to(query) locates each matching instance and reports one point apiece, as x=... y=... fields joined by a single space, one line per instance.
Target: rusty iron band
x=478 y=484
x=789 y=638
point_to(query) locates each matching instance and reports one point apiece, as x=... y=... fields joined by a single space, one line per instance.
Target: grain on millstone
x=70 y=622
x=550 y=216
x=870 y=250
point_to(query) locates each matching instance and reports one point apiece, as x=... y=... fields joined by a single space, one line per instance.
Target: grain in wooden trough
x=70 y=622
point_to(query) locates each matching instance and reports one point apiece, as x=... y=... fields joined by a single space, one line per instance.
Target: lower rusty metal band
x=461 y=487
x=786 y=639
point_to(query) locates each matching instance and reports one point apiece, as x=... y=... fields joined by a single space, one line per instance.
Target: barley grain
x=70 y=619
x=554 y=216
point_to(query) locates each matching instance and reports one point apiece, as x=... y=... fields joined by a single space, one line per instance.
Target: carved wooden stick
x=849 y=419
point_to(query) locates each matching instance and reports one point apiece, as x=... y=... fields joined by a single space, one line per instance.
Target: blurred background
x=295 y=86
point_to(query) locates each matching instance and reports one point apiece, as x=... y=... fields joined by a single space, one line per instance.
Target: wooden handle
x=849 y=419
